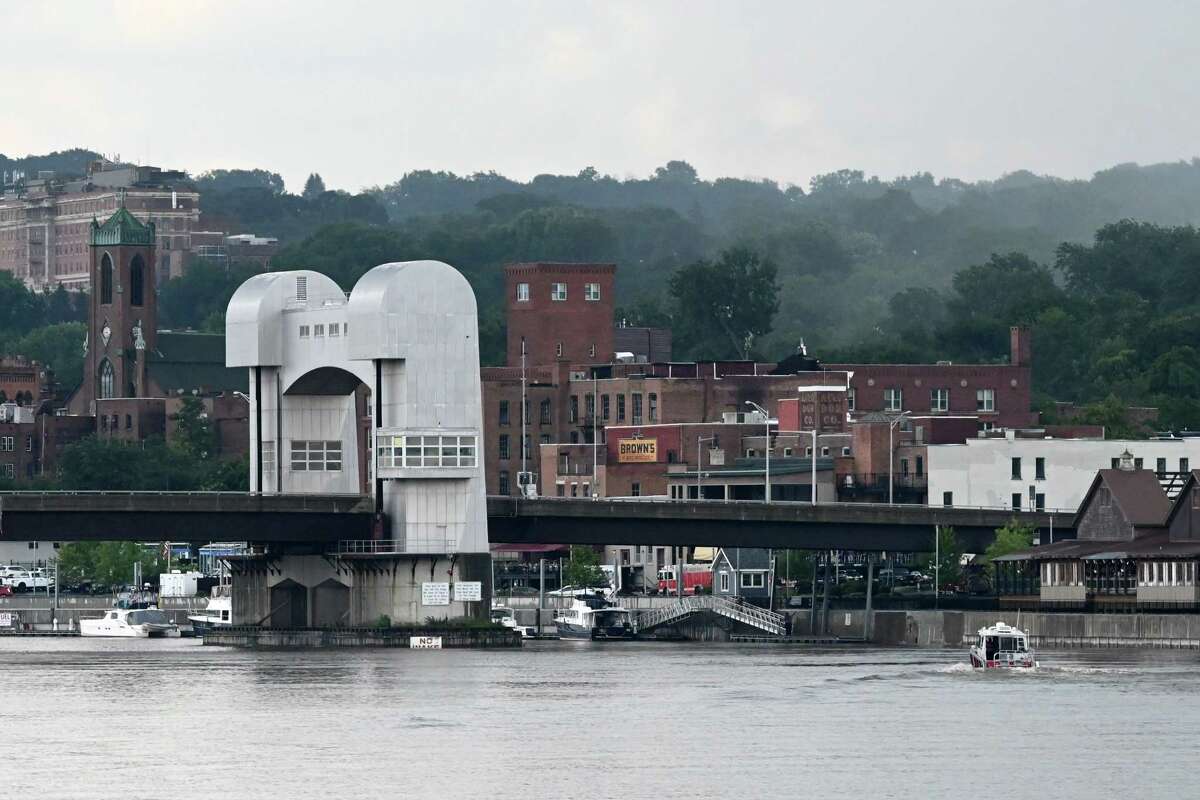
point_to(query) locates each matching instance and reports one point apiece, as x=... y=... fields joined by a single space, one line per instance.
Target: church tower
x=122 y=309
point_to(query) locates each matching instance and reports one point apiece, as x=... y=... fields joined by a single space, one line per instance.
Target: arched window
x=106 y=379
x=137 y=281
x=106 y=279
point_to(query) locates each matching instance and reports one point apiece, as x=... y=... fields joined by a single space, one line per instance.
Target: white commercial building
x=1051 y=474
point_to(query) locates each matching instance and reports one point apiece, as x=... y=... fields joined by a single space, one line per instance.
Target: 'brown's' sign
x=634 y=450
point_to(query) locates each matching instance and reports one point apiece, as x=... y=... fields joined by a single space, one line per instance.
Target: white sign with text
x=435 y=594
x=468 y=591
x=425 y=642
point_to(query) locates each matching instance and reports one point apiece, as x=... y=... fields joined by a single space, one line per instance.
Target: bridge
x=328 y=519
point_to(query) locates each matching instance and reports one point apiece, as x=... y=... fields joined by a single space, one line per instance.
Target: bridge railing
x=840 y=504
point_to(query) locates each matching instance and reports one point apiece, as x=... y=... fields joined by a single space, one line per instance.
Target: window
x=412 y=451
x=1183 y=465
x=939 y=400
x=137 y=282
x=10 y=470
x=620 y=408
x=1016 y=469
x=985 y=399
x=522 y=292
x=893 y=399
x=1039 y=469
x=751 y=452
x=904 y=466
x=589 y=407
x=1137 y=463
x=268 y=457
x=850 y=399
x=128 y=422
x=106 y=280
x=724 y=581
x=504 y=447
x=824 y=452
x=558 y=292
x=753 y=580
x=544 y=412
x=574 y=490
x=304 y=331
x=573 y=408
x=653 y=407
x=316 y=456
x=635 y=489
x=592 y=292
x=920 y=466
x=544 y=438
x=604 y=407
x=503 y=412
x=558 y=351
x=1039 y=501
x=106 y=380
x=6 y=443
x=28 y=444
x=525 y=444
x=1016 y=501
x=637 y=408
x=318 y=331
x=504 y=487
x=845 y=451
x=334 y=329
x=947 y=498
x=1115 y=464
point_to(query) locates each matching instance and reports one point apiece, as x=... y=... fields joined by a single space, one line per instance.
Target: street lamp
x=767 y=417
x=891 y=450
x=813 y=432
x=700 y=461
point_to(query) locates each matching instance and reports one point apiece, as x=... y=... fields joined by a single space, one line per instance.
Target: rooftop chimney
x=1020 y=346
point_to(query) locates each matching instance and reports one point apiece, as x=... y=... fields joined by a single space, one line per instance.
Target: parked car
x=23 y=581
x=5 y=591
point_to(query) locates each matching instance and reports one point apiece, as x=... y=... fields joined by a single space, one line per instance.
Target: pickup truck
x=22 y=580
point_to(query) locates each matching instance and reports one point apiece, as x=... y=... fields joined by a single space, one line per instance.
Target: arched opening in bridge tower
x=330 y=604
x=328 y=435
x=289 y=605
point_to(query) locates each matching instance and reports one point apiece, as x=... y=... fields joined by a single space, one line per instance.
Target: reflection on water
x=169 y=718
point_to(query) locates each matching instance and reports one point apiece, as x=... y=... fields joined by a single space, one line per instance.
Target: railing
x=838 y=504
x=369 y=547
x=741 y=612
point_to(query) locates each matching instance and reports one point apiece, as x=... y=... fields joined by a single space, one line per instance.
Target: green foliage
x=383 y=621
x=201 y=294
x=583 y=570
x=948 y=558
x=721 y=307
x=94 y=464
x=314 y=187
x=108 y=563
x=59 y=347
x=194 y=433
x=1012 y=538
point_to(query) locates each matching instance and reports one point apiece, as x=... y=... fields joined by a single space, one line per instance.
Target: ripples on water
x=171 y=719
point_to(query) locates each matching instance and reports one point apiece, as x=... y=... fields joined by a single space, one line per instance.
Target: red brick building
x=562 y=312
x=24 y=382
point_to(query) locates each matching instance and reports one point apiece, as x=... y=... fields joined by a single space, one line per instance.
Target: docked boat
x=502 y=615
x=218 y=613
x=1002 y=646
x=592 y=615
x=140 y=623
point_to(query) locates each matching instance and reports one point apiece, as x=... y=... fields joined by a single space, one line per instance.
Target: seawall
x=269 y=638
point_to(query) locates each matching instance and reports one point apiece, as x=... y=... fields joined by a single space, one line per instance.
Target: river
x=173 y=719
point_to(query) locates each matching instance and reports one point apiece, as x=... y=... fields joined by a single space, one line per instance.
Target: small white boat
x=504 y=616
x=1002 y=646
x=218 y=613
x=592 y=615
x=138 y=623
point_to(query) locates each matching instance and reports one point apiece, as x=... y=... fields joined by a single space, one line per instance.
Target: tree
x=194 y=433
x=58 y=347
x=1012 y=538
x=722 y=306
x=948 y=560
x=314 y=187
x=583 y=570
x=108 y=563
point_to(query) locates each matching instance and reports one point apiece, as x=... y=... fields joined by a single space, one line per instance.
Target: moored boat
x=138 y=623
x=1002 y=646
x=592 y=615
x=502 y=615
x=218 y=613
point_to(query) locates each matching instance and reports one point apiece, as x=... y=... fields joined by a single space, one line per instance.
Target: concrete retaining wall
x=958 y=628
x=357 y=637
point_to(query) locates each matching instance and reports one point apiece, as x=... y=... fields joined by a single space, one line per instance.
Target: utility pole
x=892 y=452
x=767 y=446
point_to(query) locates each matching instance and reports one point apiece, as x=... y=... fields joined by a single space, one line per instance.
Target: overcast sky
x=364 y=92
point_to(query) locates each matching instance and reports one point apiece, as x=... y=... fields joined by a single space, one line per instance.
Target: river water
x=173 y=719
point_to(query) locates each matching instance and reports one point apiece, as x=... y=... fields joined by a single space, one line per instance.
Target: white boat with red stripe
x=1002 y=646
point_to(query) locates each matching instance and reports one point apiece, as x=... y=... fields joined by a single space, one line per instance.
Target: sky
x=363 y=92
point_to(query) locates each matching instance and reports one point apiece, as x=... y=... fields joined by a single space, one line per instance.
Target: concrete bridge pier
x=322 y=591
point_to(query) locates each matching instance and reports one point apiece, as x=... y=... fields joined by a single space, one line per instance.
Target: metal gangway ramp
x=744 y=613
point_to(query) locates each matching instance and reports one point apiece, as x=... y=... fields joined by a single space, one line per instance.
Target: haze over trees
x=862 y=269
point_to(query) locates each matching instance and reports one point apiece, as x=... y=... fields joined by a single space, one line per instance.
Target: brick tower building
x=122 y=317
x=563 y=312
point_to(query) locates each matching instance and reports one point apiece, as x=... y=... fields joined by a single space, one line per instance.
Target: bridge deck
x=300 y=519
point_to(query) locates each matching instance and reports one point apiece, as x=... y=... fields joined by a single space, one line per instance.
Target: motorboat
x=502 y=615
x=140 y=623
x=592 y=614
x=218 y=613
x=1002 y=646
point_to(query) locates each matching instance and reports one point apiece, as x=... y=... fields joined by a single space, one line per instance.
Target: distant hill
x=68 y=163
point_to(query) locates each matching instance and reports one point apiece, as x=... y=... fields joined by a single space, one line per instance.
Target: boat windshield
x=148 y=615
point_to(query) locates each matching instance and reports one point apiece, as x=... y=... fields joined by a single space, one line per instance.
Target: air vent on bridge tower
x=302 y=288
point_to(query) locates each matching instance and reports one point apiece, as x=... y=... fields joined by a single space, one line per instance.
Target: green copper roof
x=122 y=228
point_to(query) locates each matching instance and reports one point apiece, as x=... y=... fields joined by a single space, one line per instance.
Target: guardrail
x=755 y=503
